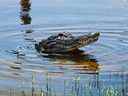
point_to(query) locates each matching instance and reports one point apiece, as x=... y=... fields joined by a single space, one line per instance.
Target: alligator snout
x=88 y=39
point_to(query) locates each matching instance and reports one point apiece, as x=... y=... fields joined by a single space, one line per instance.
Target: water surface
x=100 y=70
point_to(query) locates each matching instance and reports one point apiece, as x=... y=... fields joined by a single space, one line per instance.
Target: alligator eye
x=82 y=41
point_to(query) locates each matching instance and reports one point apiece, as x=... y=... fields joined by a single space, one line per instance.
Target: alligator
x=65 y=42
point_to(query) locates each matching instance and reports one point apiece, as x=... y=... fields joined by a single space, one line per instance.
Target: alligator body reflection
x=77 y=60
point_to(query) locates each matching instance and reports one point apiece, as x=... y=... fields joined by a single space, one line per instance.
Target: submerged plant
x=111 y=92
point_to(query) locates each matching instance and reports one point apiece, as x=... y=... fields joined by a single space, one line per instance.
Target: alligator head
x=55 y=45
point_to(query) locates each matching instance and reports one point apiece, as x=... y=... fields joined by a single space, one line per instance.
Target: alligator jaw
x=88 y=39
x=84 y=41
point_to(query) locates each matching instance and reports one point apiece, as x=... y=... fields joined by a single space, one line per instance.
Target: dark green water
x=102 y=70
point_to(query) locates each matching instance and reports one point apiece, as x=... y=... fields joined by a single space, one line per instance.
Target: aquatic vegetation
x=24 y=14
x=111 y=92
